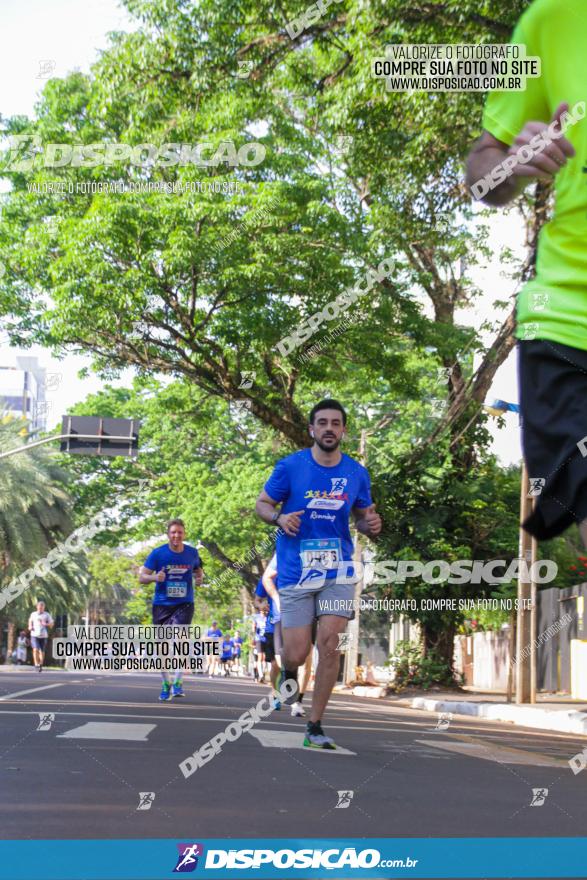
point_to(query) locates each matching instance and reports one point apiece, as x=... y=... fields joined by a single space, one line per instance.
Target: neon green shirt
x=556 y=31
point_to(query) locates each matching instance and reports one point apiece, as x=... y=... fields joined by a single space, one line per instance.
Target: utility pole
x=526 y=613
x=352 y=654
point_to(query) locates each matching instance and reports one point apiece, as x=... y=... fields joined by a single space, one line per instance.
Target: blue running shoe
x=316 y=739
x=165 y=692
x=276 y=704
x=177 y=689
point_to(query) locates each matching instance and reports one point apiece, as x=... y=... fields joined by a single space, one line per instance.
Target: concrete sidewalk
x=558 y=712
x=551 y=711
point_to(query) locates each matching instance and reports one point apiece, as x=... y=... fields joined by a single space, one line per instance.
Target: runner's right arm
x=289 y=522
x=146 y=576
x=489 y=152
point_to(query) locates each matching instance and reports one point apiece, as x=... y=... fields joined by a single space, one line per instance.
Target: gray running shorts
x=301 y=607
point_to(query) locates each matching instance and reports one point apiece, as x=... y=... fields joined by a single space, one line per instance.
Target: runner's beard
x=330 y=448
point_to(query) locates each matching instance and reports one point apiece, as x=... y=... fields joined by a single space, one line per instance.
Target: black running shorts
x=269 y=647
x=180 y=614
x=553 y=402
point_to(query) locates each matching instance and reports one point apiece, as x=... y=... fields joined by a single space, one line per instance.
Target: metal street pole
x=526 y=618
x=352 y=654
x=28 y=446
x=533 y=623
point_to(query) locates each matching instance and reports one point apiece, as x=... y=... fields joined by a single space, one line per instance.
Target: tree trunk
x=442 y=643
x=11 y=642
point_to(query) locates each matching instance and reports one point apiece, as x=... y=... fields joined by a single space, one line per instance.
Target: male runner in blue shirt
x=318 y=489
x=237 y=647
x=226 y=655
x=214 y=633
x=172 y=568
x=267 y=589
x=265 y=603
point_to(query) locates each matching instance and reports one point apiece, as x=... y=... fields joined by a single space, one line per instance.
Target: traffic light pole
x=28 y=446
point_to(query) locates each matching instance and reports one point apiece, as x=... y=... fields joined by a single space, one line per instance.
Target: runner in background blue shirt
x=226 y=656
x=214 y=633
x=237 y=648
x=271 y=649
x=259 y=627
x=173 y=568
x=267 y=588
x=318 y=490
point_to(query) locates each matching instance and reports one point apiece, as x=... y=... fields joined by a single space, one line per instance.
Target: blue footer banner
x=290 y=857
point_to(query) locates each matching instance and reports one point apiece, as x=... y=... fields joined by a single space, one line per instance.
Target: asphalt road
x=475 y=778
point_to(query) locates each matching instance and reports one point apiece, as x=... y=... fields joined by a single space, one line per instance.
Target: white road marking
x=497 y=754
x=44 y=687
x=109 y=730
x=173 y=717
x=283 y=739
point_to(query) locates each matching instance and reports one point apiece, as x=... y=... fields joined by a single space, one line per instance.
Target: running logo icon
x=247 y=376
x=536 y=486
x=444 y=720
x=45 y=720
x=539 y=796
x=187 y=860
x=146 y=799
x=344 y=641
x=338 y=485
x=344 y=800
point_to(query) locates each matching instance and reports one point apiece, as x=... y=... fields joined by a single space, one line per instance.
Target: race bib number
x=176 y=591
x=324 y=553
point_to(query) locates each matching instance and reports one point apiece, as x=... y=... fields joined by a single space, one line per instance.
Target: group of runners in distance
x=300 y=600
x=229 y=659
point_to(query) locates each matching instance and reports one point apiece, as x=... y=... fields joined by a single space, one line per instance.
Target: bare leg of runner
x=329 y=628
x=304 y=675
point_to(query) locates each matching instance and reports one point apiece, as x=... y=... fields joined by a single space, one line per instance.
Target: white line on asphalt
x=212 y=720
x=45 y=687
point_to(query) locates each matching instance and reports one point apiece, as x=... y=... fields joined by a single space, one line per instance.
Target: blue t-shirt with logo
x=327 y=496
x=226 y=648
x=274 y=616
x=214 y=633
x=178 y=586
x=236 y=643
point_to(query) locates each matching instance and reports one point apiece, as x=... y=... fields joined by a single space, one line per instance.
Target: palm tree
x=35 y=515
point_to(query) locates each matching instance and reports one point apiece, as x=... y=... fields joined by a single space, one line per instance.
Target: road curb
x=374 y=692
x=562 y=720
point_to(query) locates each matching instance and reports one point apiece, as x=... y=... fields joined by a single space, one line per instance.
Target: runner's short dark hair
x=175 y=522
x=327 y=403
